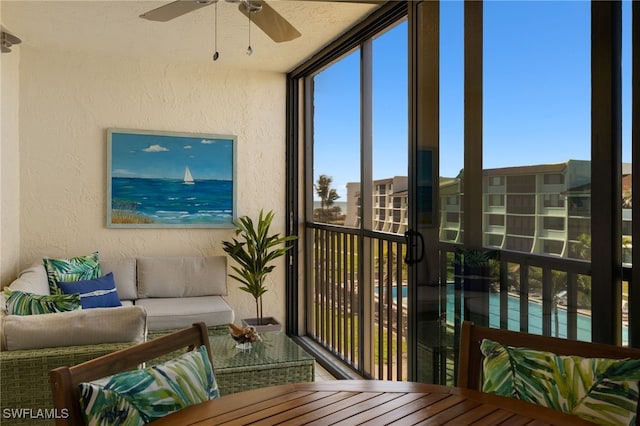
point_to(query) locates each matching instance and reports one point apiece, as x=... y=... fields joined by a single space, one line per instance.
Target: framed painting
x=170 y=180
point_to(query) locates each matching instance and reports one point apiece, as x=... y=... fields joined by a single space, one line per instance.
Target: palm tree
x=323 y=188
x=327 y=194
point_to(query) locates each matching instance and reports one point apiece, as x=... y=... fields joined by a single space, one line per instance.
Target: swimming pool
x=535 y=317
x=513 y=314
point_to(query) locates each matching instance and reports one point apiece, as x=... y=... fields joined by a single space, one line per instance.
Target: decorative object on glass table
x=244 y=336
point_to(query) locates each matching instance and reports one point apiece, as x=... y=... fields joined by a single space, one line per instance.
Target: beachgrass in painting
x=170 y=179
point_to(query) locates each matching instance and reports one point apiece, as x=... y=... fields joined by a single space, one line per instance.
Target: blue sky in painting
x=156 y=156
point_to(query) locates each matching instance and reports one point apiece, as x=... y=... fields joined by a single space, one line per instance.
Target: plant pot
x=268 y=324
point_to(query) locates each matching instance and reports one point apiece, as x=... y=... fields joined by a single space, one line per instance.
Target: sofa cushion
x=142 y=396
x=124 y=275
x=98 y=293
x=71 y=269
x=93 y=326
x=32 y=280
x=169 y=313
x=180 y=276
x=21 y=303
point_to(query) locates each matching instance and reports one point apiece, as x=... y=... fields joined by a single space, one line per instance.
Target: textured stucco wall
x=68 y=100
x=9 y=170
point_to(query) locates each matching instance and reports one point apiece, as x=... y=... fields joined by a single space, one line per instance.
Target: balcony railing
x=358 y=298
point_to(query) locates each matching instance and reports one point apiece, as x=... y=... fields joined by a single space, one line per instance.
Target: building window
x=579 y=228
x=553 y=179
x=451 y=235
x=521 y=225
x=553 y=200
x=519 y=244
x=554 y=223
x=494 y=240
x=496 y=220
x=452 y=201
x=521 y=204
x=552 y=247
x=579 y=206
x=521 y=184
x=496 y=200
x=452 y=217
x=496 y=181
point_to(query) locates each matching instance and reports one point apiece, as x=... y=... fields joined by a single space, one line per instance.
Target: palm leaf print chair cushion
x=141 y=396
x=604 y=391
x=113 y=389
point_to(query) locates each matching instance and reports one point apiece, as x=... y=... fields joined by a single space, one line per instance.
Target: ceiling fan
x=260 y=13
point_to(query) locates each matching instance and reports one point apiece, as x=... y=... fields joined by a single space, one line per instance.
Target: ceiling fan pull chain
x=249 y=49
x=216 y=55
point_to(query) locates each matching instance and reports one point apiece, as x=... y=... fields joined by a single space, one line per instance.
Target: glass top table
x=275 y=348
x=275 y=360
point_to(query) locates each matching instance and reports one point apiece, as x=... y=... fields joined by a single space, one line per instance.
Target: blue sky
x=536 y=105
x=158 y=156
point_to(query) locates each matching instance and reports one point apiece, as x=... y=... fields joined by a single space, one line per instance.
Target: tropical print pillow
x=604 y=391
x=22 y=303
x=141 y=396
x=71 y=269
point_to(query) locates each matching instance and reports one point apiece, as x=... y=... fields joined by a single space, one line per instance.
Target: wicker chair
x=65 y=380
x=24 y=378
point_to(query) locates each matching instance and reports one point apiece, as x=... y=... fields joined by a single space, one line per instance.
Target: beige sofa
x=175 y=291
x=158 y=294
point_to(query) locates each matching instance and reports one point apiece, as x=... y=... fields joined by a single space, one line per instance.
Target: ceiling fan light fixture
x=251 y=7
x=249 y=49
x=216 y=55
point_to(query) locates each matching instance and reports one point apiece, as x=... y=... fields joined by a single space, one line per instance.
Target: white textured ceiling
x=115 y=28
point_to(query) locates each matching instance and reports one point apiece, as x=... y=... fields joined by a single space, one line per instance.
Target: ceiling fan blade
x=271 y=22
x=174 y=9
x=352 y=1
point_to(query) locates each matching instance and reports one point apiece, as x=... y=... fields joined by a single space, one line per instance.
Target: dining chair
x=65 y=381
x=472 y=361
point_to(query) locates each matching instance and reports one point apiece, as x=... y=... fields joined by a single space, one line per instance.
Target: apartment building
x=390 y=197
x=543 y=208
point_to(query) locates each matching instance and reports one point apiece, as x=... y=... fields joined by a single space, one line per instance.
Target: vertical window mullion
x=606 y=170
x=634 y=284
x=366 y=194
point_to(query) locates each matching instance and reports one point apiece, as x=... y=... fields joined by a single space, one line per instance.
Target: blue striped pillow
x=97 y=293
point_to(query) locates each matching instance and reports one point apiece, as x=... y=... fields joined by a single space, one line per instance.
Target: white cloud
x=155 y=148
x=207 y=141
x=187 y=147
x=121 y=172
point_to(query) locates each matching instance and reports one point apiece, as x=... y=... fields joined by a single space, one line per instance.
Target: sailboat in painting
x=188 y=179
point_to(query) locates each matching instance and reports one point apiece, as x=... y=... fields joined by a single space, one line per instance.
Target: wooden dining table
x=370 y=402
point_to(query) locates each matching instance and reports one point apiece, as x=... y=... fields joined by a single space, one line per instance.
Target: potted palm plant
x=254 y=252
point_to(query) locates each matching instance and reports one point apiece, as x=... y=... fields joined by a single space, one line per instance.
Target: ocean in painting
x=171 y=201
